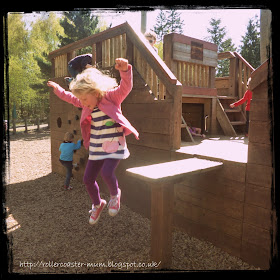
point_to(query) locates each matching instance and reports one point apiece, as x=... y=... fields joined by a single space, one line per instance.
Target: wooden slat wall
x=194 y=75
x=156 y=86
x=60 y=67
x=259 y=217
x=113 y=48
x=152 y=118
x=210 y=206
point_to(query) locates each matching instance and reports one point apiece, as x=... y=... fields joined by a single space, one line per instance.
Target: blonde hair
x=92 y=81
x=68 y=137
x=151 y=34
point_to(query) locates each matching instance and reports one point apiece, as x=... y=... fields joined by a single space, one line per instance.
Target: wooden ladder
x=184 y=125
x=229 y=118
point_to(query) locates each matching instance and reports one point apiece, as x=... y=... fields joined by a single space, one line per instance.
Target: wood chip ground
x=48 y=229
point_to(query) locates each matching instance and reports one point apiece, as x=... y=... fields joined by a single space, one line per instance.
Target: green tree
x=23 y=70
x=250 y=48
x=168 y=22
x=29 y=67
x=218 y=37
x=78 y=25
x=44 y=38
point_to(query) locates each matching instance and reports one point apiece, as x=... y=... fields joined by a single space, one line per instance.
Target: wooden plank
x=260 y=132
x=259 y=175
x=156 y=110
x=93 y=52
x=260 y=154
x=204 y=199
x=259 y=110
x=174 y=170
x=225 y=55
x=112 y=51
x=233 y=77
x=123 y=46
x=228 y=243
x=257 y=216
x=153 y=140
x=151 y=125
x=214 y=220
x=258 y=196
x=240 y=91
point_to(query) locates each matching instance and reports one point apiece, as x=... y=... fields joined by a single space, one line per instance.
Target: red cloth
x=247 y=97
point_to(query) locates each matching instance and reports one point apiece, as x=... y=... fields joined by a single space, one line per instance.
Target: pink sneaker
x=115 y=204
x=96 y=211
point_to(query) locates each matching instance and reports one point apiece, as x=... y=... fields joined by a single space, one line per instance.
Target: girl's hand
x=121 y=64
x=231 y=105
x=52 y=84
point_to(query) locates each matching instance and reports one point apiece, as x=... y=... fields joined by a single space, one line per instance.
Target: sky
x=196 y=21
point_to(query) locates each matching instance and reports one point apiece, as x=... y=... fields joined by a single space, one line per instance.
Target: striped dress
x=107 y=139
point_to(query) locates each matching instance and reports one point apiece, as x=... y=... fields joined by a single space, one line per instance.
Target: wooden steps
x=232 y=120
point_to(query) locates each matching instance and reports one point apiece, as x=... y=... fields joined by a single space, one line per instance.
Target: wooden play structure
x=228 y=203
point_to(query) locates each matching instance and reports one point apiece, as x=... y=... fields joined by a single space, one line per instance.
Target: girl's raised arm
x=64 y=95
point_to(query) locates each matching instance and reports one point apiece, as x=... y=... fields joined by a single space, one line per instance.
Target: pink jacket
x=110 y=104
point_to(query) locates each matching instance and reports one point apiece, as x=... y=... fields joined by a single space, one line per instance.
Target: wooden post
x=233 y=77
x=162 y=199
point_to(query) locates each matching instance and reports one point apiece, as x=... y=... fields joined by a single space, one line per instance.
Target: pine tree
x=250 y=48
x=161 y=25
x=78 y=25
x=218 y=37
x=168 y=22
x=174 y=21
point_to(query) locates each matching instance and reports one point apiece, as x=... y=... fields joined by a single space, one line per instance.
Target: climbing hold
x=75 y=132
x=76 y=117
x=69 y=121
x=59 y=122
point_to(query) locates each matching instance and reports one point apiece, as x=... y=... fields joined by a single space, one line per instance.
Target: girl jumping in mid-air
x=103 y=128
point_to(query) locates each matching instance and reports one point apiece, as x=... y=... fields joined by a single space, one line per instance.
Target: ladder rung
x=238 y=123
x=235 y=110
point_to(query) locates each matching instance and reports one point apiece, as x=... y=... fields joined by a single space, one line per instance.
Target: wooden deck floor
x=219 y=147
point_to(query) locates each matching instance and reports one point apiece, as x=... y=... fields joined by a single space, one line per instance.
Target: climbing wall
x=65 y=117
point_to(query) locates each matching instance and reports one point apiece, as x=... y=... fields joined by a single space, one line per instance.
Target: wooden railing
x=123 y=41
x=239 y=72
x=120 y=41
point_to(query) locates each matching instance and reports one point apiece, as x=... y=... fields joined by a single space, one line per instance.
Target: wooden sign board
x=196 y=51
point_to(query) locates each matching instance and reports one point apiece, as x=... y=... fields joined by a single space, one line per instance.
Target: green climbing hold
x=109 y=123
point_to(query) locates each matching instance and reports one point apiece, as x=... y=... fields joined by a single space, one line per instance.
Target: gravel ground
x=48 y=227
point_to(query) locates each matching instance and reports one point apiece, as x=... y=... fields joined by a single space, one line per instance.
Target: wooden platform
x=161 y=179
x=218 y=147
x=173 y=170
